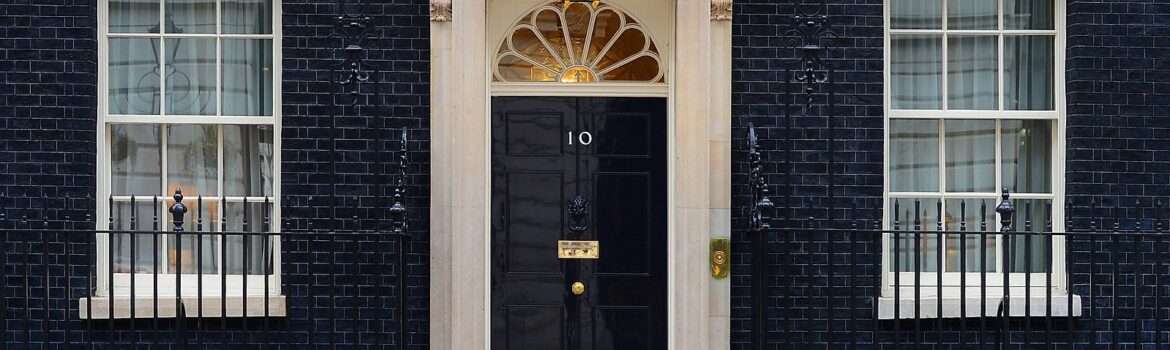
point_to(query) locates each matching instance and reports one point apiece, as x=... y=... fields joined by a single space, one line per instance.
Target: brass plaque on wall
x=578 y=249
x=720 y=258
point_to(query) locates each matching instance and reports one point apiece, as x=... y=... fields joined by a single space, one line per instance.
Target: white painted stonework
x=699 y=91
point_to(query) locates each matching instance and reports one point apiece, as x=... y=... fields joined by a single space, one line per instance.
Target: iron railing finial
x=178 y=210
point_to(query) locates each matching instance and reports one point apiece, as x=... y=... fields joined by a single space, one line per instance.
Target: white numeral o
x=584 y=137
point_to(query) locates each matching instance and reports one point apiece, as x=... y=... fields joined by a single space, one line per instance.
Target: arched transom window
x=578 y=43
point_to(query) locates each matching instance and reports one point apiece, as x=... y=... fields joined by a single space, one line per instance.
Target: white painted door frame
x=699 y=196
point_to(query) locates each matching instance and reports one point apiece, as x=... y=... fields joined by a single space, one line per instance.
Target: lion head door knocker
x=578 y=213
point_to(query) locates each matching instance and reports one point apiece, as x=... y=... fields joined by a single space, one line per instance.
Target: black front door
x=578 y=169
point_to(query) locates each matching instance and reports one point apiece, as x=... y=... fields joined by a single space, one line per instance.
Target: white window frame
x=213 y=283
x=929 y=289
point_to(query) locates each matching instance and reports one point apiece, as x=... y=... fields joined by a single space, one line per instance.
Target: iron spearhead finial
x=1005 y=210
x=178 y=210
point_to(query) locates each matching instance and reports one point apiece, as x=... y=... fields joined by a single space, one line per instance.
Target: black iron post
x=399 y=222
x=760 y=215
x=178 y=210
x=1005 y=210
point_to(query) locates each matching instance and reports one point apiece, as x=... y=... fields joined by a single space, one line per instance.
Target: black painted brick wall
x=48 y=100
x=1117 y=153
x=332 y=149
x=48 y=112
x=760 y=57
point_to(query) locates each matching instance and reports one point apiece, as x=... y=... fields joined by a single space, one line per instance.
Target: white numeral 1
x=585 y=138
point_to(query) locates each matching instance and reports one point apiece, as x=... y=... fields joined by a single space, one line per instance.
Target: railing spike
x=938 y=215
x=917 y=215
x=897 y=210
x=963 y=215
x=983 y=215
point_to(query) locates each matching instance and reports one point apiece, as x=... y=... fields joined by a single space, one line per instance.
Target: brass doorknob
x=578 y=288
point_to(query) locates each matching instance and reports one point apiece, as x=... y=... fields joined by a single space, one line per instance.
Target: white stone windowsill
x=213 y=306
x=928 y=307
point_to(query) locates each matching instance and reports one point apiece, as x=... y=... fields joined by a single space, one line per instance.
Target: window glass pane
x=247 y=160
x=1030 y=251
x=972 y=14
x=190 y=17
x=1028 y=72
x=133 y=76
x=916 y=14
x=247 y=16
x=1028 y=14
x=190 y=76
x=132 y=252
x=256 y=253
x=133 y=16
x=972 y=68
x=193 y=159
x=548 y=23
x=970 y=155
x=135 y=160
x=186 y=253
x=915 y=214
x=977 y=250
x=247 y=77
x=916 y=71
x=914 y=147
x=1027 y=155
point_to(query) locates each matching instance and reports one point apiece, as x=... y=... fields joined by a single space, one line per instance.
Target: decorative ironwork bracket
x=811 y=37
x=762 y=206
x=354 y=30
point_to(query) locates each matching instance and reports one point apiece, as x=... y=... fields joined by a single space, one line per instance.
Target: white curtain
x=972 y=70
x=916 y=72
x=970 y=155
x=1028 y=72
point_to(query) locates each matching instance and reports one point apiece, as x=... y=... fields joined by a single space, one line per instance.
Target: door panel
x=545 y=152
x=625 y=238
x=528 y=134
x=534 y=326
x=533 y=211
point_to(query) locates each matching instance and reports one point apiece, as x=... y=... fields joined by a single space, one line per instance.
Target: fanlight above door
x=578 y=43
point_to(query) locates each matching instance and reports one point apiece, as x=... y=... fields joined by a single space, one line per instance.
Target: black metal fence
x=206 y=272
x=67 y=284
x=865 y=282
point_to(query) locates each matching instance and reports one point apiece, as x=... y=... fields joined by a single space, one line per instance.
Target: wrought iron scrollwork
x=762 y=206
x=398 y=209
x=353 y=28
x=810 y=35
x=578 y=209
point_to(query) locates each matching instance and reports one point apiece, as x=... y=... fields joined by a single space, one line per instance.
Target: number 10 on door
x=584 y=138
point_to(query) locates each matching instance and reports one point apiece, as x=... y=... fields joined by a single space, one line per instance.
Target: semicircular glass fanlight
x=578 y=43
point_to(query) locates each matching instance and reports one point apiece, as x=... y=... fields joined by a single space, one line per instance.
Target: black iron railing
x=876 y=283
x=214 y=283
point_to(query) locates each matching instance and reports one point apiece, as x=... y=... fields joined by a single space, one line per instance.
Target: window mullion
x=220 y=192
x=164 y=148
x=942 y=175
x=1000 y=74
x=219 y=61
x=162 y=60
x=945 y=64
